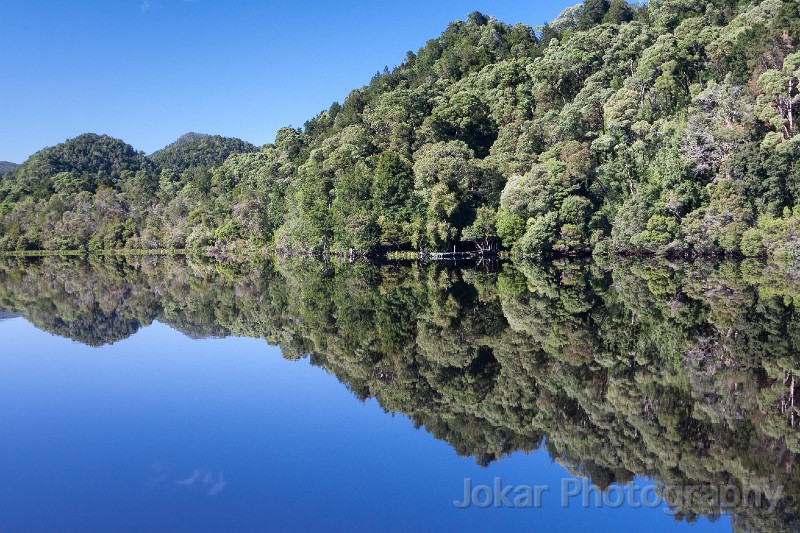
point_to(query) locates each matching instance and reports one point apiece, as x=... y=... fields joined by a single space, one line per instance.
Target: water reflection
x=684 y=373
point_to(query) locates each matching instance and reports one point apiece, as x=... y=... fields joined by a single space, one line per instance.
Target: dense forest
x=667 y=127
x=685 y=373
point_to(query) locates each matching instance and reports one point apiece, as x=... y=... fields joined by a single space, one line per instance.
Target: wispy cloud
x=212 y=483
x=189 y=481
x=149 y=5
x=200 y=479
x=217 y=487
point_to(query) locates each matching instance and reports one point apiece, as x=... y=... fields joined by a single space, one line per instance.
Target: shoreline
x=395 y=255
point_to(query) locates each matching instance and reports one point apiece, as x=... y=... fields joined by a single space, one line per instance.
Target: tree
x=477 y=18
x=483 y=231
x=467 y=119
x=540 y=236
x=440 y=217
x=619 y=12
x=451 y=164
x=593 y=13
x=777 y=105
x=392 y=187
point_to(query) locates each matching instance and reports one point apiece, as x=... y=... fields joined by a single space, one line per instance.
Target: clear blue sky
x=147 y=71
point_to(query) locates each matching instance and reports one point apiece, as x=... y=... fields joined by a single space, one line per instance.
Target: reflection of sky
x=163 y=431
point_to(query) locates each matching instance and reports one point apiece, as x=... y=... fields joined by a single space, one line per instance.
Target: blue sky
x=147 y=71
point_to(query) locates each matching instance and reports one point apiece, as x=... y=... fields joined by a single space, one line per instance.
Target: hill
x=194 y=150
x=187 y=138
x=81 y=164
x=6 y=166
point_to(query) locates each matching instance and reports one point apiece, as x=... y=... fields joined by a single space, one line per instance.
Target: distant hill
x=187 y=138
x=7 y=166
x=79 y=164
x=194 y=150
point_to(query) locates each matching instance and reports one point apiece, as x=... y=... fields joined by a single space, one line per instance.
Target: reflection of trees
x=685 y=373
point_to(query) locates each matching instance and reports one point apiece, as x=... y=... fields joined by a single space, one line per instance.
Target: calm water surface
x=193 y=395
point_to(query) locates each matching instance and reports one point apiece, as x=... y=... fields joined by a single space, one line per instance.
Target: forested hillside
x=6 y=166
x=194 y=150
x=667 y=128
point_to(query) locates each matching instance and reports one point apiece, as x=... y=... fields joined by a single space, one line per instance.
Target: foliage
x=663 y=128
x=196 y=150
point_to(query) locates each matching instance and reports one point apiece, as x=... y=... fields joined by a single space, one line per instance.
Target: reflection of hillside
x=685 y=373
x=7 y=315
